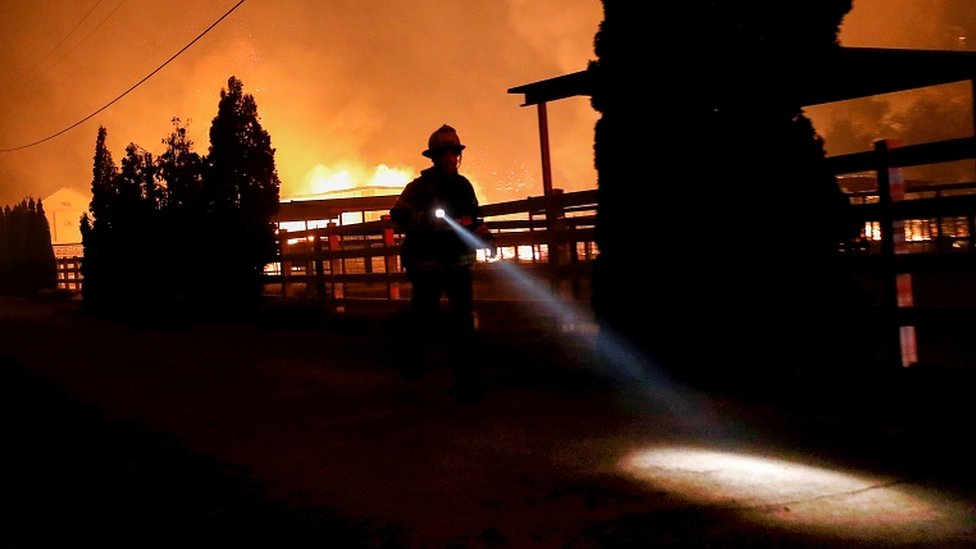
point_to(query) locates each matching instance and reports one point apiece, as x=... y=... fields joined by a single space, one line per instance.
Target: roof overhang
x=852 y=73
x=847 y=73
x=560 y=87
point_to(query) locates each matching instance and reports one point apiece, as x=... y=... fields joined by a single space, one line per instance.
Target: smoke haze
x=928 y=114
x=349 y=90
x=341 y=86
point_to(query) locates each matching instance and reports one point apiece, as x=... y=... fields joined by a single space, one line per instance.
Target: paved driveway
x=313 y=419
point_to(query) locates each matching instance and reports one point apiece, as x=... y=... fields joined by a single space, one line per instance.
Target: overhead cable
x=126 y=92
x=25 y=77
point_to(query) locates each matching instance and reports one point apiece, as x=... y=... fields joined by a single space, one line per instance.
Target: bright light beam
x=831 y=503
x=614 y=352
x=836 y=504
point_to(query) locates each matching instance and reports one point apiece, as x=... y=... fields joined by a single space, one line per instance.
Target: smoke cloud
x=342 y=85
x=917 y=116
x=354 y=87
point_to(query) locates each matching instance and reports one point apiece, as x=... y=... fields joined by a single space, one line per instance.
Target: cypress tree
x=757 y=286
x=137 y=234
x=100 y=262
x=181 y=170
x=241 y=190
x=27 y=263
x=44 y=270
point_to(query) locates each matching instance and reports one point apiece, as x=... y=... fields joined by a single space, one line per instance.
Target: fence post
x=69 y=273
x=901 y=342
x=389 y=259
x=319 y=267
x=555 y=223
x=335 y=265
x=577 y=286
x=971 y=230
x=282 y=243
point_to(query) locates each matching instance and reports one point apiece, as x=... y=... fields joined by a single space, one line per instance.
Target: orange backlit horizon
x=340 y=87
x=348 y=92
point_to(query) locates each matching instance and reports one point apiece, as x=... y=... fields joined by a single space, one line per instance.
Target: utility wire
x=133 y=87
x=26 y=74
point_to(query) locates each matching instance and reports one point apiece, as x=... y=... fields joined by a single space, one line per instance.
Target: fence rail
x=916 y=255
x=358 y=265
x=69 y=273
x=918 y=252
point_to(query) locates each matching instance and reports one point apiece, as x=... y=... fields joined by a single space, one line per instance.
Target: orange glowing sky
x=346 y=89
x=939 y=112
x=341 y=86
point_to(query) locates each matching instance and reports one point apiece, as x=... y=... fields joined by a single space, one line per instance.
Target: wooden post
x=555 y=227
x=319 y=267
x=971 y=229
x=896 y=287
x=335 y=265
x=970 y=223
x=547 y=192
x=282 y=272
x=389 y=259
x=544 y=146
x=574 y=264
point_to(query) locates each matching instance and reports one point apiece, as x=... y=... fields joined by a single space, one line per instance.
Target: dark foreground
x=285 y=434
x=72 y=478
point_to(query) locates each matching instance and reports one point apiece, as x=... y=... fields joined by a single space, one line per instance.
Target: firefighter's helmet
x=444 y=137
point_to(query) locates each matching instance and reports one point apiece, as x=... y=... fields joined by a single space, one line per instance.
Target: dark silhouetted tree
x=181 y=170
x=184 y=229
x=718 y=179
x=241 y=190
x=121 y=233
x=27 y=263
x=138 y=234
x=41 y=260
x=100 y=252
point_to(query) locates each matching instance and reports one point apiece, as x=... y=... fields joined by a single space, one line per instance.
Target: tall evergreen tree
x=99 y=266
x=241 y=188
x=43 y=264
x=137 y=232
x=138 y=195
x=757 y=285
x=151 y=221
x=181 y=171
x=27 y=262
x=103 y=186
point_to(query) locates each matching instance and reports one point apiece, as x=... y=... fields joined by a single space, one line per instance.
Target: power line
x=36 y=66
x=133 y=87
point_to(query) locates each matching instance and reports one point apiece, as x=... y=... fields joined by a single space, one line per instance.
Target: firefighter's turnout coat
x=430 y=243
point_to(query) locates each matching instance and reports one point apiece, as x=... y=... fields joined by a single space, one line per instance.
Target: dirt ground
x=294 y=430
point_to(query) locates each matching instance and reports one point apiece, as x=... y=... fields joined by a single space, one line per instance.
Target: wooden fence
x=69 y=273
x=357 y=266
x=916 y=256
